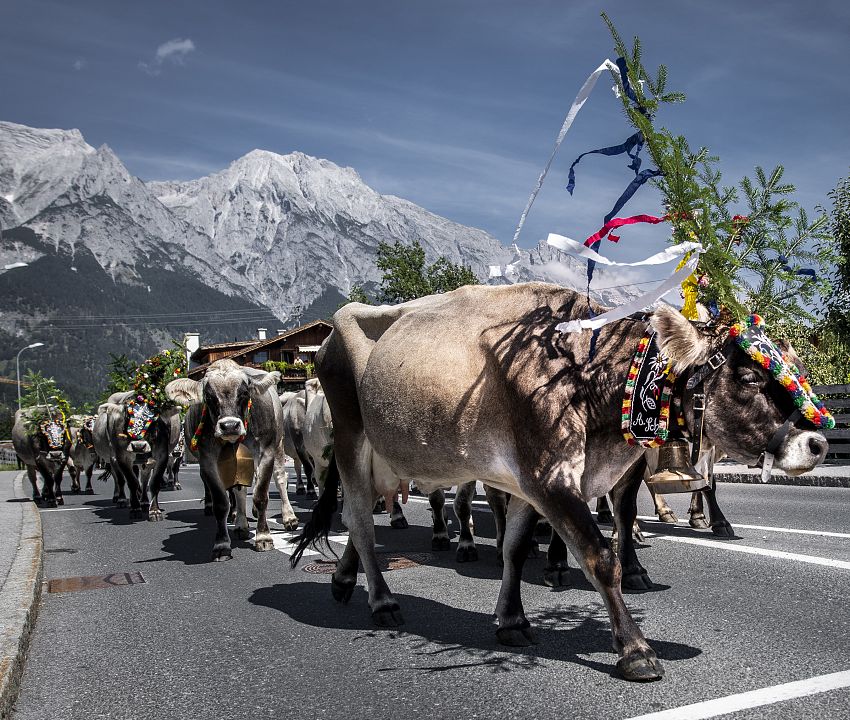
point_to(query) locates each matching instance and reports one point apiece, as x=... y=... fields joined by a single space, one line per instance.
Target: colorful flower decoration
x=751 y=337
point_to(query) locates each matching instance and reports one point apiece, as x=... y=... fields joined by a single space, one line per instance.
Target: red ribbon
x=619 y=222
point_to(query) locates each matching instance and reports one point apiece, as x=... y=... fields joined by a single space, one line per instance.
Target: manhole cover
x=94 y=582
x=321 y=567
x=61 y=550
x=386 y=561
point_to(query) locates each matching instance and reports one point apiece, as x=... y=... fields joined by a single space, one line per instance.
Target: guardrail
x=8 y=457
x=837 y=399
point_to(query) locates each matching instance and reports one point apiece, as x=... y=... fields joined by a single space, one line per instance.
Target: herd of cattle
x=476 y=385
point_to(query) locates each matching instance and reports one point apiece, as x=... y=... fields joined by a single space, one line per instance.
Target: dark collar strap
x=714 y=362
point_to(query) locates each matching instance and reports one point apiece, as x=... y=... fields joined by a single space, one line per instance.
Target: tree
x=406 y=276
x=119 y=371
x=43 y=391
x=774 y=260
x=357 y=294
x=837 y=316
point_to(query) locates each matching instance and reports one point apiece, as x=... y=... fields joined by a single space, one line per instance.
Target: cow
x=128 y=456
x=239 y=404
x=82 y=455
x=294 y=412
x=480 y=384
x=43 y=446
x=175 y=460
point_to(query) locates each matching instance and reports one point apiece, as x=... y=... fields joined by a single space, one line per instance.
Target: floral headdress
x=751 y=337
x=149 y=387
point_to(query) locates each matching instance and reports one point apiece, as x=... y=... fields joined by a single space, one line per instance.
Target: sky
x=452 y=104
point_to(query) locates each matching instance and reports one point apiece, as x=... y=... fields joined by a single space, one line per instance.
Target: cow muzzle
x=801 y=452
x=140 y=447
x=55 y=455
x=230 y=429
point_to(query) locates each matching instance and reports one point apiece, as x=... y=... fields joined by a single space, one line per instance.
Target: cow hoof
x=222 y=554
x=135 y=513
x=36 y=499
x=557 y=575
x=50 y=502
x=342 y=591
x=290 y=524
x=637 y=581
x=299 y=490
x=208 y=510
x=380 y=507
x=698 y=522
x=241 y=533
x=640 y=666
x=668 y=516
x=388 y=617
x=89 y=491
x=466 y=554
x=515 y=637
x=75 y=491
x=605 y=516
x=722 y=529
x=60 y=500
x=155 y=516
x=399 y=523
x=178 y=486
x=312 y=494
x=231 y=519
x=121 y=503
x=263 y=544
x=440 y=543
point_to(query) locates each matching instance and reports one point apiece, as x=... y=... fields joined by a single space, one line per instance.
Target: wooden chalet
x=294 y=349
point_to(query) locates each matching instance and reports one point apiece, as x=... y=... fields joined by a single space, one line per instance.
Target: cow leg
x=299 y=477
x=74 y=472
x=287 y=516
x=263 y=538
x=238 y=495
x=33 y=478
x=514 y=629
x=344 y=578
x=397 y=518
x=119 y=497
x=57 y=482
x=696 y=514
x=498 y=502
x=720 y=526
x=603 y=511
x=662 y=509
x=154 y=511
x=219 y=504
x=307 y=466
x=624 y=496
x=557 y=571
x=46 y=473
x=175 y=473
x=466 y=550
x=572 y=519
x=129 y=473
x=440 y=532
x=89 y=473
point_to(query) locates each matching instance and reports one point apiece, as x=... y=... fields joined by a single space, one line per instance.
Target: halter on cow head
x=227 y=391
x=749 y=411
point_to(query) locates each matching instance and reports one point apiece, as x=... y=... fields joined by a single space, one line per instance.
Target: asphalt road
x=251 y=638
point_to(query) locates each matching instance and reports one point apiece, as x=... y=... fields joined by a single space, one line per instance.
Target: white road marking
x=753 y=699
x=766 y=528
x=283 y=542
x=749 y=550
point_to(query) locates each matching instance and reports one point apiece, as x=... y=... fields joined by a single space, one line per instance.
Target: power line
x=184 y=323
x=172 y=314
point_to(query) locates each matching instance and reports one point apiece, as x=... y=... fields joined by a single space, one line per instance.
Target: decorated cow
x=480 y=384
x=83 y=456
x=41 y=440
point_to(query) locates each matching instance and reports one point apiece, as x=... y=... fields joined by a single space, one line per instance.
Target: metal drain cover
x=386 y=561
x=94 y=582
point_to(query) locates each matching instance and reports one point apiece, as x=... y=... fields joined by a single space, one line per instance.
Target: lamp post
x=18 y=367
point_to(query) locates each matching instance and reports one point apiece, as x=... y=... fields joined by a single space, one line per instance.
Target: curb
x=19 y=601
x=830 y=481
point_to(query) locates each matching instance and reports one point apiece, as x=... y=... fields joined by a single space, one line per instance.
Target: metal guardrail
x=837 y=399
x=8 y=457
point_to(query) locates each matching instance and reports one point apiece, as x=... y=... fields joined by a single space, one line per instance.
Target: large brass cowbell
x=236 y=465
x=675 y=474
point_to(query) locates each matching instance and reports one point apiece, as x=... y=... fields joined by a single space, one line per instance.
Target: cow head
x=53 y=435
x=226 y=390
x=746 y=407
x=87 y=432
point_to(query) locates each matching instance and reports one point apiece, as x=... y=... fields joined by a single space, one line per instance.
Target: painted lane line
x=767 y=528
x=93 y=507
x=750 y=550
x=753 y=698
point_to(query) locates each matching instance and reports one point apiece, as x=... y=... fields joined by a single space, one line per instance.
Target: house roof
x=243 y=348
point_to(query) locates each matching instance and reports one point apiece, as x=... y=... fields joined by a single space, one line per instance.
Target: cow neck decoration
x=196 y=436
x=750 y=335
x=140 y=416
x=55 y=431
x=646 y=401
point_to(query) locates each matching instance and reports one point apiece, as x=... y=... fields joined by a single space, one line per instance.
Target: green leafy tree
x=406 y=275
x=357 y=294
x=43 y=391
x=837 y=314
x=750 y=262
x=119 y=371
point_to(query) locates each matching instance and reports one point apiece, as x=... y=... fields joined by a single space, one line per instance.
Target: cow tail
x=106 y=474
x=318 y=527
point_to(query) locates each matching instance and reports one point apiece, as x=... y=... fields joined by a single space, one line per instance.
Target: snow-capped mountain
x=269 y=231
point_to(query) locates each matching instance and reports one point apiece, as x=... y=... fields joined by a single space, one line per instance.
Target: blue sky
x=451 y=104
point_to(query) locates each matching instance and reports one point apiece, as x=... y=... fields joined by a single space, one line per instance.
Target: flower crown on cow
x=751 y=337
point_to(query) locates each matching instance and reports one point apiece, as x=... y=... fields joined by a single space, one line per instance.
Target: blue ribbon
x=810 y=272
x=627 y=87
x=631 y=147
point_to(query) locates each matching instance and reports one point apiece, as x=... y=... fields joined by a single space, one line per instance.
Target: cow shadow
x=462 y=638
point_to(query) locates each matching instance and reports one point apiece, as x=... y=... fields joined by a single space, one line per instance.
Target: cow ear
x=679 y=339
x=184 y=391
x=312 y=388
x=260 y=385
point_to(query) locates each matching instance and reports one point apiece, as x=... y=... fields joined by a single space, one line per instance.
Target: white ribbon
x=636 y=305
x=577 y=105
x=577 y=249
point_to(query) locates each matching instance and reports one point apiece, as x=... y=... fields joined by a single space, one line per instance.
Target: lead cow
x=477 y=384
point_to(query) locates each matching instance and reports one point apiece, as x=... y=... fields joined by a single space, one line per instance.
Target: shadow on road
x=462 y=638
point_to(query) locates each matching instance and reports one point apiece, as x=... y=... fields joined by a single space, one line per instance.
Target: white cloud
x=174 y=51
x=79 y=64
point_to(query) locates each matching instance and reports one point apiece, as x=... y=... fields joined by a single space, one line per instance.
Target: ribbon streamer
x=577 y=105
x=573 y=247
x=593 y=240
x=627 y=147
x=636 y=305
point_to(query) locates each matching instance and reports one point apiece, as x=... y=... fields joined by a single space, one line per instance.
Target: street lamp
x=18 y=367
